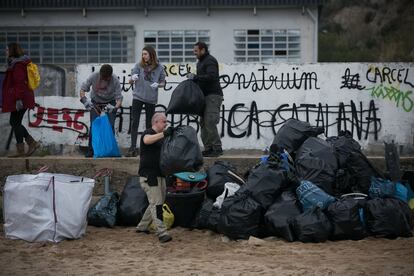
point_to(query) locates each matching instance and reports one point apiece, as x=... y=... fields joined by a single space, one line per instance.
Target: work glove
x=19 y=105
x=111 y=109
x=169 y=131
x=191 y=76
x=154 y=85
x=135 y=77
x=86 y=102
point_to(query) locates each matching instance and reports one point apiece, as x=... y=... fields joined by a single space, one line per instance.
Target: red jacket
x=15 y=87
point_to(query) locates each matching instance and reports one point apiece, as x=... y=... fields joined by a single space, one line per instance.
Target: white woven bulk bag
x=46 y=207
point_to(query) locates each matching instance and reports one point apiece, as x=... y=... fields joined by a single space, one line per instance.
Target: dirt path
x=121 y=251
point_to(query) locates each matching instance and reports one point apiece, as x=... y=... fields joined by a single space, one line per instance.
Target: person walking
x=151 y=178
x=18 y=97
x=207 y=78
x=105 y=95
x=147 y=76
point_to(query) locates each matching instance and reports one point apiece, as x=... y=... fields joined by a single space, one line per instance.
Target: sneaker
x=132 y=153
x=165 y=238
x=89 y=154
x=142 y=231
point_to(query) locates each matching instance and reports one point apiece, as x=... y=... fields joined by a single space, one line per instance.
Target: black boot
x=214 y=152
x=89 y=153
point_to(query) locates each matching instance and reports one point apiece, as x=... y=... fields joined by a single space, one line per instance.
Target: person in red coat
x=18 y=97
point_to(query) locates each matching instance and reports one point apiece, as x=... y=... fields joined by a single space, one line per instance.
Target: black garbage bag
x=388 y=217
x=279 y=213
x=345 y=216
x=264 y=184
x=181 y=152
x=320 y=149
x=343 y=146
x=201 y=218
x=360 y=170
x=207 y=217
x=292 y=134
x=213 y=220
x=185 y=206
x=187 y=98
x=218 y=175
x=132 y=204
x=240 y=217
x=103 y=213
x=312 y=226
x=315 y=170
x=316 y=162
x=284 y=161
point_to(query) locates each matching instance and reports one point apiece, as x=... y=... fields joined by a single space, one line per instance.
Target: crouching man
x=151 y=179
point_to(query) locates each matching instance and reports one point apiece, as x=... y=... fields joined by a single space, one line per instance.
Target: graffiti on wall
x=384 y=83
x=263 y=80
x=359 y=120
x=365 y=99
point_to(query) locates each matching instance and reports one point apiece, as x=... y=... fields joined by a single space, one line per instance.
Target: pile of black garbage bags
x=307 y=189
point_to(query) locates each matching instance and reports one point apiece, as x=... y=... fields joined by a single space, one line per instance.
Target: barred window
x=254 y=45
x=70 y=45
x=175 y=45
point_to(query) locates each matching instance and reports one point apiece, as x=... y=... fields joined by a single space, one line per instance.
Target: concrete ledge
x=124 y=167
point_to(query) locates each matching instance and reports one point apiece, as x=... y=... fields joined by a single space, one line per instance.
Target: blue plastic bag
x=311 y=196
x=401 y=192
x=103 y=138
x=383 y=188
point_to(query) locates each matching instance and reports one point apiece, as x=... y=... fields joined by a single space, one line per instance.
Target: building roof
x=156 y=4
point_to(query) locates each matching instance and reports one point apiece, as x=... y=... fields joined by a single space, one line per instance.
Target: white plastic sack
x=230 y=189
x=36 y=209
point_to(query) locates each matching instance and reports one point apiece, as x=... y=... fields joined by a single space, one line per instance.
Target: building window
x=70 y=45
x=267 y=45
x=175 y=46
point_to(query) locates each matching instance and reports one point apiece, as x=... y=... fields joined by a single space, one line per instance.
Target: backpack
x=33 y=76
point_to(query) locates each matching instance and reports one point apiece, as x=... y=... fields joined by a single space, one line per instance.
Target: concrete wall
x=373 y=101
x=123 y=168
x=220 y=22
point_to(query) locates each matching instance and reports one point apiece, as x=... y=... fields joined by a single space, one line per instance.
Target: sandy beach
x=121 y=251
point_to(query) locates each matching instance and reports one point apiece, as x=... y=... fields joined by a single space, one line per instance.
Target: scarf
x=12 y=62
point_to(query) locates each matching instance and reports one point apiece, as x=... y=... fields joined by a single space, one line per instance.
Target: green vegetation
x=366 y=31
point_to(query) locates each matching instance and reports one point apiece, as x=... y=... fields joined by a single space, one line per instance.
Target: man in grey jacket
x=105 y=95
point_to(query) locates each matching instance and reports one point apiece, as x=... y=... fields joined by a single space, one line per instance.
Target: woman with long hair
x=147 y=76
x=18 y=97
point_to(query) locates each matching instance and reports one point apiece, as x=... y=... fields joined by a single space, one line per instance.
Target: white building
x=114 y=31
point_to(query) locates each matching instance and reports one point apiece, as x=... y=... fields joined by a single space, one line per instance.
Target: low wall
x=123 y=168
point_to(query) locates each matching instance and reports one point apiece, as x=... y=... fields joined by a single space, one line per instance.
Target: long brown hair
x=153 y=61
x=15 y=50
